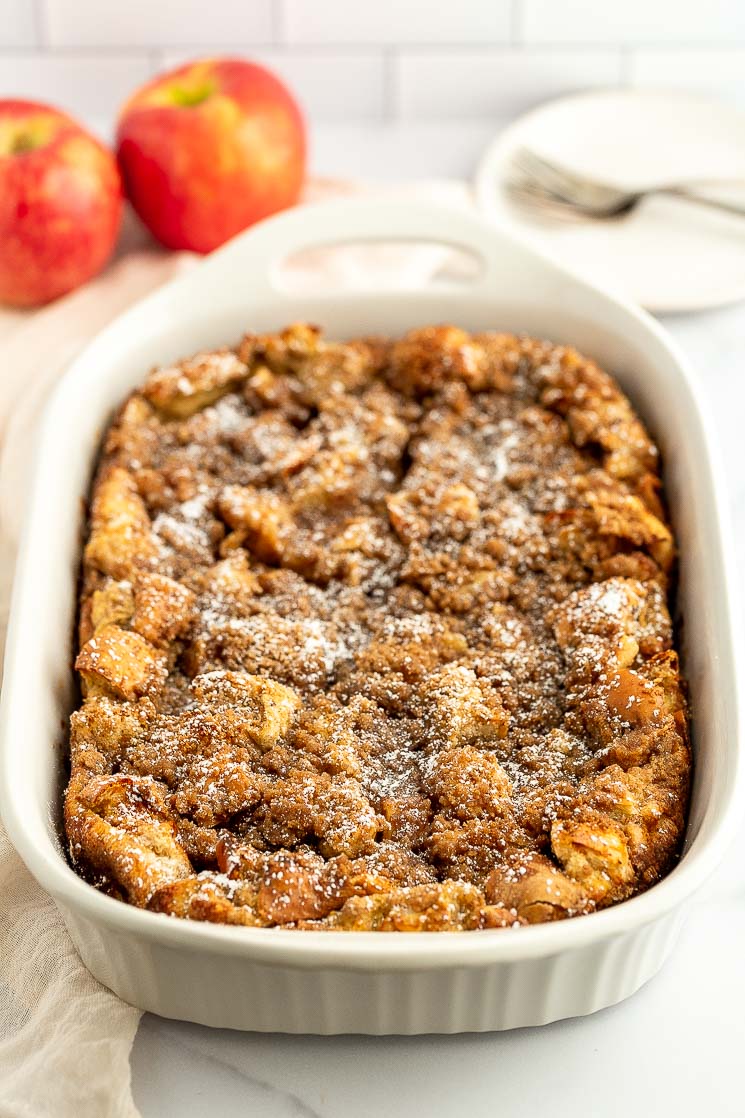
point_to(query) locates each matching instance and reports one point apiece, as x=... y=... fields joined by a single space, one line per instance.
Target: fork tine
x=549 y=206
x=532 y=186
x=572 y=187
x=545 y=201
x=549 y=174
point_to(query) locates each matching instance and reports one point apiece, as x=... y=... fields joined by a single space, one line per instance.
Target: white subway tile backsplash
x=397 y=21
x=720 y=73
x=89 y=88
x=152 y=23
x=632 y=21
x=496 y=83
x=400 y=152
x=348 y=85
x=17 y=24
x=414 y=61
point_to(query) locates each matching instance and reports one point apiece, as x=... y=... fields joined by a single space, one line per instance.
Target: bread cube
x=264 y=518
x=625 y=516
x=597 y=626
x=120 y=825
x=121 y=540
x=458 y=708
x=536 y=890
x=469 y=783
x=267 y=707
x=178 y=391
x=163 y=608
x=596 y=855
x=112 y=605
x=119 y=662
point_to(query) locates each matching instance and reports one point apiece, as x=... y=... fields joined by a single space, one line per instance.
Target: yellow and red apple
x=60 y=203
x=208 y=149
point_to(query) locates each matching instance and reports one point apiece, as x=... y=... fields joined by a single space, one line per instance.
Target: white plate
x=667 y=254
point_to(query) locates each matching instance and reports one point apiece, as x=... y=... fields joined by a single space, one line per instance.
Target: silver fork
x=552 y=187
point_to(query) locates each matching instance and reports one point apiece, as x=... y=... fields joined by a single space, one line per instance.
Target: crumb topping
x=375 y=636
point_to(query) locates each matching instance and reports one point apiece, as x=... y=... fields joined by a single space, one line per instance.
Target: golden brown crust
x=375 y=635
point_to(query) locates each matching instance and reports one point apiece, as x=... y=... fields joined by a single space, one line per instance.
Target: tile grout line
x=391 y=86
x=516 y=24
x=41 y=24
x=60 y=54
x=361 y=47
x=279 y=22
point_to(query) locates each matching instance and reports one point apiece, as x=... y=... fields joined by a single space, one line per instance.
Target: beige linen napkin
x=65 y=1039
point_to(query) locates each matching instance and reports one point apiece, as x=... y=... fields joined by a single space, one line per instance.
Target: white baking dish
x=331 y=982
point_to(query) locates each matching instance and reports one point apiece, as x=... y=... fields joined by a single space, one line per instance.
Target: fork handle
x=690 y=195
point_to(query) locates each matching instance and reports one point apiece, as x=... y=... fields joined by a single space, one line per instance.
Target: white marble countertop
x=674 y=1049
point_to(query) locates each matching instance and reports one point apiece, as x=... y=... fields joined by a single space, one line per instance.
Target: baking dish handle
x=258 y=254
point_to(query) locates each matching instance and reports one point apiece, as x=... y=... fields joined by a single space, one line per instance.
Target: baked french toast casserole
x=376 y=635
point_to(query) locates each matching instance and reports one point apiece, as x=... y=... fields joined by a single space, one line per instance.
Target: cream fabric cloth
x=65 y=1039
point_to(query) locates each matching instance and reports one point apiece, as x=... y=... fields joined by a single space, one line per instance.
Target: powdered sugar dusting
x=411 y=645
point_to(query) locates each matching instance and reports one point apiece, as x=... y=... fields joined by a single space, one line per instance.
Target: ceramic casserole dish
x=339 y=982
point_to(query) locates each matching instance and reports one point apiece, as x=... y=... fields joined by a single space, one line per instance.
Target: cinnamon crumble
x=375 y=636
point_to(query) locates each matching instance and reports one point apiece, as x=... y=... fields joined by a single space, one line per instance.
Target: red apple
x=210 y=148
x=60 y=204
